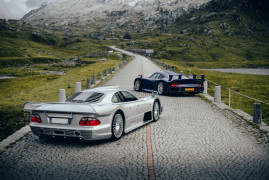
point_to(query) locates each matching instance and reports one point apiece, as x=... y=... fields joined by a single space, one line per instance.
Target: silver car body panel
x=62 y=119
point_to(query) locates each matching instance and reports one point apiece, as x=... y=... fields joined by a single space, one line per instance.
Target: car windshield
x=154 y=76
x=85 y=97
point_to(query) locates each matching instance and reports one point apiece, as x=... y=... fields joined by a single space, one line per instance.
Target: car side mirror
x=140 y=75
x=154 y=93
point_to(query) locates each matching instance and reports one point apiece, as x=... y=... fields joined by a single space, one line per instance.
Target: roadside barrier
x=88 y=83
x=217 y=94
x=62 y=95
x=78 y=86
x=94 y=82
x=256 y=107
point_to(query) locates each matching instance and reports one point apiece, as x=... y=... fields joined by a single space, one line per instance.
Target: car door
x=127 y=108
x=132 y=109
x=149 y=83
x=155 y=82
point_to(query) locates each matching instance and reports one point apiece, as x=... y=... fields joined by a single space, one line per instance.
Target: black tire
x=156 y=111
x=160 y=88
x=117 y=126
x=137 y=85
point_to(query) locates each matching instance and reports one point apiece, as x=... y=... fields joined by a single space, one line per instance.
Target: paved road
x=192 y=140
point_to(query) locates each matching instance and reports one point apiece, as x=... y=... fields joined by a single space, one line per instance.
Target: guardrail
x=256 y=104
x=242 y=101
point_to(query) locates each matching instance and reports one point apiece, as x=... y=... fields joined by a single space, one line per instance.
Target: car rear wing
x=29 y=106
x=194 y=76
x=58 y=107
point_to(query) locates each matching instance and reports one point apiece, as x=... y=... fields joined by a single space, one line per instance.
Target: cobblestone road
x=192 y=140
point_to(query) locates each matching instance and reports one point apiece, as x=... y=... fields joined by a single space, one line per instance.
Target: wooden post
x=217 y=94
x=88 y=83
x=78 y=86
x=110 y=70
x=62 y=96
x=257 y=113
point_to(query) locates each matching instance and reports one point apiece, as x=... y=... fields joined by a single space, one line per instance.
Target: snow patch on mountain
x=138 y=15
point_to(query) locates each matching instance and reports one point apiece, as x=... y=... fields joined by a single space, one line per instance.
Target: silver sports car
x=93 y=114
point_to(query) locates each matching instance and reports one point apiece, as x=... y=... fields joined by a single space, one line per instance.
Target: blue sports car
x=168 y=82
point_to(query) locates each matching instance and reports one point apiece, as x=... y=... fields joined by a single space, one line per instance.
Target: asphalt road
x=192 y=140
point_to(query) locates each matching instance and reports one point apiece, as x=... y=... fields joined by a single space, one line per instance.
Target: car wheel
x=160 y=88
x=156 y=111
x=117 y=126
x=137 y=85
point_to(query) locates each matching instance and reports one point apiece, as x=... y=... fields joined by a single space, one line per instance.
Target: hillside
x=43 y=62
x=229 y=33
x=24 y=44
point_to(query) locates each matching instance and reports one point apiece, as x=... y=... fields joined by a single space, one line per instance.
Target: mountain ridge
x=132 y=15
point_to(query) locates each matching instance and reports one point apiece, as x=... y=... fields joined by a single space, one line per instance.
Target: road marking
x=151 y=174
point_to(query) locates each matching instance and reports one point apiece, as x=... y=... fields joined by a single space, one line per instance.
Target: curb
x=14 y=137
x=237 y=112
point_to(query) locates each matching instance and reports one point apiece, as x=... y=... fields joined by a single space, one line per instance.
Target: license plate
x=189 y=89
x=59 y=121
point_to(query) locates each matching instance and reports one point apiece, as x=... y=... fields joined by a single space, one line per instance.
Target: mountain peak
x=137 y=15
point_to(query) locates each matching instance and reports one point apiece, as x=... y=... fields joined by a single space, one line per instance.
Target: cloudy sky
x=16 y=9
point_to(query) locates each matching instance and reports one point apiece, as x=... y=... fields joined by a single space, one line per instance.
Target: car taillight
x=36 y=118
x=199 y=84
x=174 y=85
x=89 y=121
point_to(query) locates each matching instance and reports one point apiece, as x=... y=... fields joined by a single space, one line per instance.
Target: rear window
x=90 y=97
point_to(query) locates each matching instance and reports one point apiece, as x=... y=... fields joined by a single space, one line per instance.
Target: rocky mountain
x=220 y=34
x=137 y=15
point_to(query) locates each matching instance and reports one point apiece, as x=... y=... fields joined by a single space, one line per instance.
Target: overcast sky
x=16 y=9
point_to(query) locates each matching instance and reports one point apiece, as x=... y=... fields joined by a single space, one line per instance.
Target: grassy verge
x=15 y=92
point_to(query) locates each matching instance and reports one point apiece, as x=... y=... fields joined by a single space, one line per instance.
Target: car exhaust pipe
x=77 y=133
x=41 y=131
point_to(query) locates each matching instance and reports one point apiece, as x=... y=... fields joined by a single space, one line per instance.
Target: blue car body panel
x=174 y=83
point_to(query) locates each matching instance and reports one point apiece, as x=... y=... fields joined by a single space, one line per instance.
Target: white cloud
x=16 y=9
